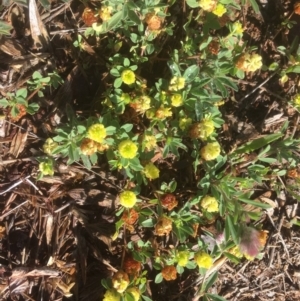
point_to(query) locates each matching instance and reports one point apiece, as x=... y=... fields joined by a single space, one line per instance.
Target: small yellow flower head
x=210 y=151
x=249 y=62
x=127 y=199
x=208 y=5
x=125 y=97
x=297 y=100
x=96 y=132
x=141 y=104
x=46 y=168
x=183 y=258
x=127 y=149
x=177 y=83
x=151 y=171
x=163 y=112
x=220 y=10
x=206 y=128
x=210 y=204
x=105 y=13
x=149 y=142
x=203 y=260
x=135 y=293
x=49 y=146
x=112 y=295
x=176 y=100
x=128 y=77
x=237 y=27
x=120 y=281
x=185 y=123
x=219 y=103
x=235 y=251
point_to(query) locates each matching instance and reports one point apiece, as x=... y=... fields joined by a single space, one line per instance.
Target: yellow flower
x=297 y=100
x=184 y=123
x=206 y=128
x=235 y=251
x=208 y=5
x=49 y=146
x=96 y=132
x=127 y=149
x=210 y=151
x=135 y=293
x=203 y=260
x=183 y=258
x=111 y=295
x=162 y=113
x=141 y=104
x=120 y=281
x=177 y=83
x=46 y=168
x=127 y=199
x=210 y=204
x=128 y=77
x=105 y=13
x=237 y=27
x=151 y=171
x=220 y=10
x=149 y=142
x=249 y=62
x=176 y=100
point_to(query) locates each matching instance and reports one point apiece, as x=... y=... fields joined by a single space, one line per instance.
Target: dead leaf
x=49 y=229
x=18 y=143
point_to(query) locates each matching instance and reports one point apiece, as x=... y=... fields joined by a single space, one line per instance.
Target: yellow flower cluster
x=177 y=83
x=134 y=292
x=176 y=100
x=149 y=142
x=141 y=104
x=96 y=132
x=235 y=251
x=210 y=204
x=105 y=13
x=183 y=258
x=237 y=27
x=120 y=281
x=220 y=10
x=203 y=260
x=208 y=5
x=112 y=295
x=210 y=151
x=202 y=130
x=49 y=146
x=163 y=112
x=88 y=147
x=249 y=62
x=296 y=100
x=127 y=199
x=185 y=123
x=127 y=149
x=151 y=171
x=46 y=168
x=128 y=77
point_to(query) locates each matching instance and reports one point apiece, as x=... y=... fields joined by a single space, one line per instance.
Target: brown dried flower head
x=130 y=216
x=169 y=273
x=88 y=147
x=88 y=16
x=154 y=22
x=163 y=226
x=297 y=8
x=131 y=266
x=120 y=281
x=169 y=201
x=22 y=112
x=214 y=47
x=293 y=173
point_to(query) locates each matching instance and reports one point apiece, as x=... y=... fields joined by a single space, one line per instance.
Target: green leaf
x=127 y=127
x=254 y=203
x=148 y=223
x=295 y=69
x=113 y=22
x=158 y=278
x=134 y=17
x=210 y=281
x=257 y=143
x=230 y=228
x=228 y=82
x=115 y=72
x=146 y=298
x=5 y=28
x=22 y=93
x=4 y=103
x=37 y=75
x=32 y=108
x=215 y=297
x=255 y=6
x=86 y=161
x=118 y=82
x=232 y=258
x=191 y=73
x=192 y=3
